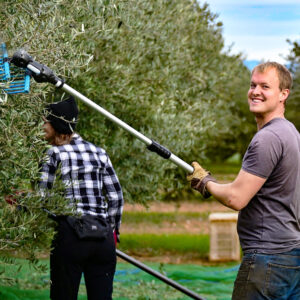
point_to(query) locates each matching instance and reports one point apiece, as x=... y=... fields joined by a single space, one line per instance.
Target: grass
x=155 y=244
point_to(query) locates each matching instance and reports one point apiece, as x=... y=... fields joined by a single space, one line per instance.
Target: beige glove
x=199 y=179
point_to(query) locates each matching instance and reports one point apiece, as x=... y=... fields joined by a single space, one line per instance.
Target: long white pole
x=152 y=145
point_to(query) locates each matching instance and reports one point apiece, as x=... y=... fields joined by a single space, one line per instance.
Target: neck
x=261 y=121
x=61 y=139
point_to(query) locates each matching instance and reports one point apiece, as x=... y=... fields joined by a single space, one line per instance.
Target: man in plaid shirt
x=87 y=173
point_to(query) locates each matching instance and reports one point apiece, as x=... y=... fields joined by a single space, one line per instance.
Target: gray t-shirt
x=270 y=223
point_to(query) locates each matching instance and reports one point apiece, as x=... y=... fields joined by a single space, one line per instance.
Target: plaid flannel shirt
x=86 y=172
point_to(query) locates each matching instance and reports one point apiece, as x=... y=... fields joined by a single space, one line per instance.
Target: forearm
x=225 y=194
x=235 y=195
x=238 y=193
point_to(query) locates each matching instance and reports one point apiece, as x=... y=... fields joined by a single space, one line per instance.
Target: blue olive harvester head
x=4 y=66
x=13 y=79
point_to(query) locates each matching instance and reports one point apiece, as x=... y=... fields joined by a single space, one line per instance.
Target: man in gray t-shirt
x=270 y=223
x=266 y=192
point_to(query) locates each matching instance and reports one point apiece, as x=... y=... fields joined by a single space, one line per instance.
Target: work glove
x=199 y=179
x=115 y=238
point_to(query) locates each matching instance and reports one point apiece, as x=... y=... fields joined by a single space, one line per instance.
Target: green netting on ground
x=132 y=283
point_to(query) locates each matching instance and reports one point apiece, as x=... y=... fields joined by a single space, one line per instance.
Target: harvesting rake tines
x=13 y=80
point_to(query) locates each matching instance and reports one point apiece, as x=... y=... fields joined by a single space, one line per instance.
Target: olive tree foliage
x=293 y=103
x=163 y=70
x=160 y=66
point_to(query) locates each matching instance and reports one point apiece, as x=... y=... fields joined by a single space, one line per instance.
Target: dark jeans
x=268 y=276
x=71 y=257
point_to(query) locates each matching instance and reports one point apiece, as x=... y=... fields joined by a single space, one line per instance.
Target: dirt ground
x=184 y=206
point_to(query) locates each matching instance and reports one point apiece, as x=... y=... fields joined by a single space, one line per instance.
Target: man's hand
x=199 y=179
x=198 y=173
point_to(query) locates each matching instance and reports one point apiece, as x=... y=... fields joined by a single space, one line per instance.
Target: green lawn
x=162 y=244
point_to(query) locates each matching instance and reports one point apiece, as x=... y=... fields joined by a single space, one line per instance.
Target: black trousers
x=71 y=257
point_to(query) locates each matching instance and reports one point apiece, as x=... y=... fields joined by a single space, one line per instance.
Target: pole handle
x=159 y=149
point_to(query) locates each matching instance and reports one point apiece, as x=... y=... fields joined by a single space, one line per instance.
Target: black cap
x=63 y=115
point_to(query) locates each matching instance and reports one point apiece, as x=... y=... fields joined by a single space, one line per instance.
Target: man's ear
x=284 y=95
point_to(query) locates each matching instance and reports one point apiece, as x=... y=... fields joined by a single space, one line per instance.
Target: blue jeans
x=268 y=276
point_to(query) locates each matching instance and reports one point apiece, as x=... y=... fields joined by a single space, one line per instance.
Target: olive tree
x=159 y=65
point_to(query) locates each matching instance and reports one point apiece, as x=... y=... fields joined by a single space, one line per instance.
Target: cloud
x=262 y=47
x=259 y=29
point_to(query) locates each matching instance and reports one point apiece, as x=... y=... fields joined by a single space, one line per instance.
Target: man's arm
x=114 y=194
x=238 y=193
x=235 y=195
x=48 y=172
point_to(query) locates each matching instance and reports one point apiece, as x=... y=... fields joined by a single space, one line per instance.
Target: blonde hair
x=284 y=75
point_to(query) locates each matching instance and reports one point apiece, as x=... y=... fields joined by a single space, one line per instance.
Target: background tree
x=158 y=65
x=293 y=104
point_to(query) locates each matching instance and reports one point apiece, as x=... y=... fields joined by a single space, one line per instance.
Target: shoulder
x=52 y=151
x=51 y=156
x=267 y=145
x=272 y=133
x=279 y=127
x=279 y=131
x=86 y=146
x=90 y=146
x=267 y=148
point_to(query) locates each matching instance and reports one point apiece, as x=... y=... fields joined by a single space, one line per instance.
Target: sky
x=258 y=28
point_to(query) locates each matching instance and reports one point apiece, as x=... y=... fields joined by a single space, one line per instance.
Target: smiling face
x=265 y=98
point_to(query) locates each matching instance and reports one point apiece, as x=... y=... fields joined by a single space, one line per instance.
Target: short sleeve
x=263 y=154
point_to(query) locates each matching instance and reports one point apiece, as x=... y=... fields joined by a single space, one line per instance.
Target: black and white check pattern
x=86 y=172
